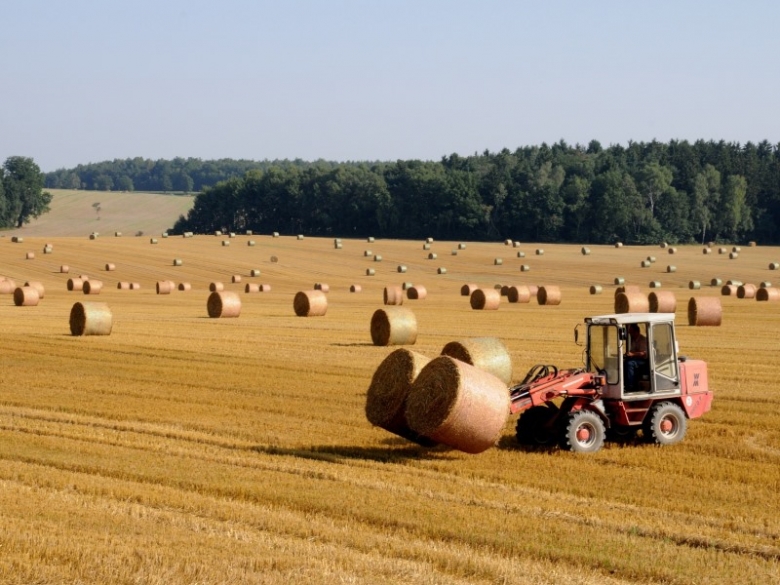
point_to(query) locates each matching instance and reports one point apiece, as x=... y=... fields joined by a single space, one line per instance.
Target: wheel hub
x=666 y=426
x=583 y=434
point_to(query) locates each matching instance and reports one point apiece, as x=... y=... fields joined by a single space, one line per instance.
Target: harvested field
x=186 y=449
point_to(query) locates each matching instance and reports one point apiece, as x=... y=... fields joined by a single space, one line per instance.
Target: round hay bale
x=393 y=326
x=250 y=243
x=367 y=253
x=628 y=288
x=618 y=244
x=231 y=234
x=442 y=271
x=417 y=292
x=728 y=290
x=37 y=286
x=26 y=296
x=631 y=302
x=177 y=262
x=716 y=282
x=774 y=266
x=457 y=404
x=486 y=353
x=310 y=303
x=216 y=287
x=533 y=289
x=110 y=267
x=48 y=249
x=164 y=287
x=508 y=242
x=655 y=284
x=595 y=289
x=30 y=256
x=454 y=252
x=722 y=250
x=645 y=264
x=518 y=294
x=254 y=272
x=619 y=280
x=504 y=290
x=93 y=236
x=429 y=240
x=406 y=285
x=585 y=251
x=432 y=256
x=746 y=291
x=64 y=269
x=485 y=299
x=274 y=259
x=539 y=252
x=321 y=286
x=92 y=287
x=223 y=304
x=389 y=388
x=401 y=268
x=548 y=295
x=733 y=255
x=498 y=261
x=135 y=286
x=736 y=249
x=355 y=288
x=236 y=278
x=704 y=311
x=185 y=286
x=265 y=288
x=249 y=232
x=768 y=294
x=664 y=245
x=498 y=287
x=651 y=259
x=426 y=246
x=735 y=282
x=225 y=243
x=671 y=268
x=393 y=295
x=752 y=244
x=461 y=246
x=122 y=285
x=91 y=318
x=300 y=236
x=673 y=250
x=694 y=285
x=467 y=289
x=117 y=234
x=76 y=284
x=765 y=284
x=251 y=287
x=377 y=258
x=521 y=254
x=152 y=240
x=17 y=239
x=370 y=272
x=662 y=301
x=275 y=235
x=706 y=251
x=218 y=233
x=7 y=287
x=370 y=239
x=84 y=277
x=525 y=268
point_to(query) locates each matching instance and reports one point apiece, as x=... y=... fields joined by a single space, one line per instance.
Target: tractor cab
x=637 y=354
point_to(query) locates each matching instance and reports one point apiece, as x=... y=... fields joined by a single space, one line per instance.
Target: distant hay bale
x=321 y=286
x=548 y=295
x=26 y=296
x=223 y=304
x=426 y=246
x=716 y=282
x=123 y=285
x=651 y=259
x=454 y=252
x=459 y=405
x=231 y=234
x=525 y=268
x=516 y=244
x=367 y=253
x=429 y=240
x=631 y=302
x=710 y=244
x=218 y=233
x=401 y=268
x=619 y=280
x=251 y=287
x=265 y=288
x=310 y=303
x=377 y=258
x=704 y=312
x=432 y=256
x=655 y=284
x=90 y=318
x=508 y=242
x=722 y=250
x=370 y=272
x=274 y=259
x=645 y=263
x=417 y=292
x=393 y=295
x=765 y=284
x=135 y=286
x=250 y=243
x=216 y=287
x=236 y=278
x=75 y=284
x=152 y=240
x=370 y=239
x=117 y=234
x=355 y=288
x=7 y=287
x=84 y=277
x=184 y=286
x=338 y=246
x=249 y=232
x=671 y=268
x=539 y=251
x=518 y=294
x=177 y=262
x=585 y=251
x=225 y=243
x=746 y=291
x=694 y=285
x=734 y=282
x=664 y=244
x=768 y=294
x=498 y=261
x=93 y=236
x=254 y=272
x=521 y=254
x=467 y=289
x=774 y=266
x=442 y=271
x=30 y=255
x=64 y=269
x=736 y=249
x=407 y=285
x=628 y=288
x=38 y=286
x=662 y=301
x=461 y=246
x=393 y=326
x=17 y=239
x=389 y=388
x=706 y=251
x=729 y=290
x=164 y=287
x=485 y=299
x=486 y=353
x=300 y=236
x=673 y=250
x=733 y=255
x=275 y=235
x=618 y=244
x=48 y=249
x=110 y=267
x=595 y=289
x=752 y=244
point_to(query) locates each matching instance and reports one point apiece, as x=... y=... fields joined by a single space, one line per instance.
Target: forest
x=644 y=192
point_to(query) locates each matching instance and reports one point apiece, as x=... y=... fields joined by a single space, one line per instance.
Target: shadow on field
x=509 y=443
x=398 y=452
x=353 y=344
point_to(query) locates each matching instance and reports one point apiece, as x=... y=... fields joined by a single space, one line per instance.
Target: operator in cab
x=636 y=357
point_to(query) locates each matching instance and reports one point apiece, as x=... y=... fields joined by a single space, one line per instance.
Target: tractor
x=633 y=380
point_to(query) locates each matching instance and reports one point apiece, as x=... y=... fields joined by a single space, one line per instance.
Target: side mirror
x=577 y=334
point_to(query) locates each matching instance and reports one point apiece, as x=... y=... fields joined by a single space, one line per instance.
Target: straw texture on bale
x=694 y=285
x=768 y=294
x=91 y=319
x=518 y=294
x=370 y=272
x=417 y=292
x=92 y=287
x=393 y=326
x=459 y=405
x=223 y=304
x=728 y=290
x=704 y=311
x=321 y=286
x=184 y=286
x=442 y=271
x=236 y=278
x=485 y=353
x=548 y=295
x=26 y=296
x=631 y=302
x=310 y=303
x=251 y=287
x=110 y=267
x=485 y=299
x=164 y=287
x=595 y=289
x=628 y=288
x=662 y=301
x=355 y=288
x=393 y=295
x=716 y=282
x=467 y=289
x=216 y=287
x=7 y=287
x=746 y=291
x=75 y=284
x=122 y=285
x=37 y=286
x=64 y=269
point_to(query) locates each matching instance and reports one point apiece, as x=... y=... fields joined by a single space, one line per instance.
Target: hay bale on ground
x=417 y=292
x=122 y=285
x=164 y=287
x=442 y=271
x=76 y=284
x=274 y=259
x=265 y=288
x=64 y=269
x=432 y=256
x=310 y=303
x=704 y=311
x=26 y=296
x=216 y=287
x=662 y=301
x=628 y=288
x=236 y=278
x=521 y=254
x=321 y=286
x=467 y=289
x=135 y=286
x=525 y=268
x=631 y=302
x=222 y=304
x=7 y=287
x=518 y=294
x=367 y=253
x=370 y=272
x=92 y=287
x=618 y=244
x=91 y=319
x=485 y=353
x=110 y=267
x=768 y=294
x=251 y=287
x=393 y=326
x=407 y=285
x=619 y=280
x=30 y=256
x=355 y=288
x=461 y=246
x=595 y=289
x=655 y=284
x=457 y=404
x=774 y=266
x=694 y=285
x=548 y=295
x=734 y=282
x=716 y=282
x=671 y=268
x=539 y=252
x=498 y=261
x=401 y=268
x=177 y=262
x=485 y=299
x=254 y=272
x=393 y=295
x=729 y=290
x=746 y=291
x=37 y=286
x=184 y=286
x=706 y=251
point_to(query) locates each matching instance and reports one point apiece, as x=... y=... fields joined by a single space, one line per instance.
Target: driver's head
x=633 y=330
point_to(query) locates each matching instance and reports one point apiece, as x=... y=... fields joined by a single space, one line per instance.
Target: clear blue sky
x=85 y=81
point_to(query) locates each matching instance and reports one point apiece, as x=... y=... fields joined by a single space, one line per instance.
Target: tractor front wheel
x=534 y=427
x=665 y=424
x=583 y=432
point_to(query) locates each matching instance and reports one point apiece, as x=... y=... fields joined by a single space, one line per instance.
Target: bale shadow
x=398 y=452
x=510 y=443
x=365 y=344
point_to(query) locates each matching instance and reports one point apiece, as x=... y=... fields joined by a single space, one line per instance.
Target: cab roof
x=626 y=318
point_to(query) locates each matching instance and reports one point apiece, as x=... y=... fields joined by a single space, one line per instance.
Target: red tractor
x=633 y=380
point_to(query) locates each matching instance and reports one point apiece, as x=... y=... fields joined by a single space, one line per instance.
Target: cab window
x=604 y=352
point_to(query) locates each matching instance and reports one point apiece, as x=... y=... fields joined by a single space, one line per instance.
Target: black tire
x=665 y=424
x=532 y=427
x=583 y=432
x=621 y=434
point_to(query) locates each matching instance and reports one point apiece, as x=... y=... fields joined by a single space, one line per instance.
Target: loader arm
x=543 y=384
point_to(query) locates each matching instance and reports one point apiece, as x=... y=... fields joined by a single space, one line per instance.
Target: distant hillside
x=73 y=213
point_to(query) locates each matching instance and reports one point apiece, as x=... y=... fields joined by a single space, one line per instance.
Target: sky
x=345 y=80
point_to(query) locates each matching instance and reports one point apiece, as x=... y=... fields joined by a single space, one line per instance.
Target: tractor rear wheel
x=583 y=432
x=665 y=424
x=534 y=428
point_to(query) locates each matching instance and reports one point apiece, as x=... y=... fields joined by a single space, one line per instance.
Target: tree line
x=21 y=192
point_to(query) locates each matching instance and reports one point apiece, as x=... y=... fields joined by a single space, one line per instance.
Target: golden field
x=183 y=449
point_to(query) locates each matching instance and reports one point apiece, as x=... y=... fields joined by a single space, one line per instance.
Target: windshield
x=603 y=351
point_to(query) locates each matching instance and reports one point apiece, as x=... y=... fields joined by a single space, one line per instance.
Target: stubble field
x=194 y=450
